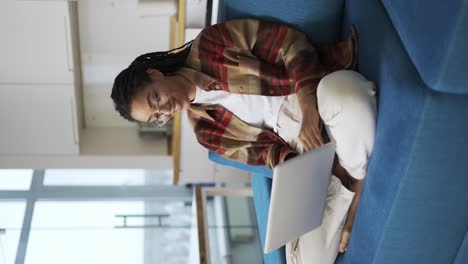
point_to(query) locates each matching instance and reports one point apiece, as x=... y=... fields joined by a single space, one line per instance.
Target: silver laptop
x=298 y=196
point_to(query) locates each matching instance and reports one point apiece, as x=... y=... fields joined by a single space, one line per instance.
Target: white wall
x=120 y=141
x=112 y=34
x=116 y=31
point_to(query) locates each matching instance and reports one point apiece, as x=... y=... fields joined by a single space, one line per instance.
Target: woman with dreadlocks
x=260 y=93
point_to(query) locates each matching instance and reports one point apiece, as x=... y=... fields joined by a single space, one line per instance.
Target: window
x=100 y=177
x=11 y=220
x=15 y=179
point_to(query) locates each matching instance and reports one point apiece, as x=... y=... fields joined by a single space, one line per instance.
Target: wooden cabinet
x=38 y=119
x=37 y=88
x=41 y=98
x=35 y=44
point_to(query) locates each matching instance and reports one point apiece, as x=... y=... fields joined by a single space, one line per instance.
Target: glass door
x=93 y=216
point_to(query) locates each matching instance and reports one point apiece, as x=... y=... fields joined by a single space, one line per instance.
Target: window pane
x=15 y=179
x=50 y=215
x=11 y=219
x=60 y=228
x=108 y=177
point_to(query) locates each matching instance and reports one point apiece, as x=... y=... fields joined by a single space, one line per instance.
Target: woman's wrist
x=306 y=98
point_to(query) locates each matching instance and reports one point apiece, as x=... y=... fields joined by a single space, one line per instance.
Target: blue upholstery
x=319 y=19
x=413 y=202
x=435 y=35
x=414 y=207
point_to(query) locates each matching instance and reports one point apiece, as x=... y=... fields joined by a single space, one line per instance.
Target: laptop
x=298 y=196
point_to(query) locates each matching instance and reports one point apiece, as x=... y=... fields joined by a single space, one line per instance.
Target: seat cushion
x=435 y=36
x=319 y=19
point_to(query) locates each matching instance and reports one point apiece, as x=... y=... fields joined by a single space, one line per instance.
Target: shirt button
x=217 y=86
x=271 y=91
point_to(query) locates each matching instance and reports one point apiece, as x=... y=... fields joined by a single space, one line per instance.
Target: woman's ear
x=155 y=74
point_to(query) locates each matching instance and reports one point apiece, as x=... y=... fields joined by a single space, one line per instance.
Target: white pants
x=347 y=105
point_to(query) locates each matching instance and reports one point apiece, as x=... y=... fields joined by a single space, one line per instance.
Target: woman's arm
x=236 y=140
x=271 y=43
x=277 y=44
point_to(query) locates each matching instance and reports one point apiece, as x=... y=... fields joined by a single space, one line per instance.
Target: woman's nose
x=165 y=108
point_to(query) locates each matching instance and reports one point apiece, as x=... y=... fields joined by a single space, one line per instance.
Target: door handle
x=74 y=121
x=68 y=52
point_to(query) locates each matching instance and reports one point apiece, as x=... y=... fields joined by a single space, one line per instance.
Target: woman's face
x=158 y=101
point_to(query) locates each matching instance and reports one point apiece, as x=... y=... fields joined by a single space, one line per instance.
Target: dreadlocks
x=134 y=77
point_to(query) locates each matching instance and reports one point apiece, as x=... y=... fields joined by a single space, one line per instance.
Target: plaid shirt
x=253 y=57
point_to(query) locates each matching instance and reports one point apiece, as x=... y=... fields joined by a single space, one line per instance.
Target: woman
x=260 y=93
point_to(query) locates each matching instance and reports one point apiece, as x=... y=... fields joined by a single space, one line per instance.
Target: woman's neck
x=187 y=85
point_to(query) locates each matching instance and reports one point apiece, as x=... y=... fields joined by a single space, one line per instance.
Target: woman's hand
x=310 y=134
x=345 y=236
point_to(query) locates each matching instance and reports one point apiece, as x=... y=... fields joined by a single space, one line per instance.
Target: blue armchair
x=414 y=203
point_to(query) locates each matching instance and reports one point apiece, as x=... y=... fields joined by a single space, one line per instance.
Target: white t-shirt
x=256 y=110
